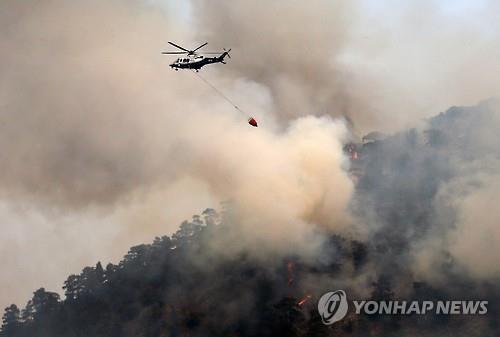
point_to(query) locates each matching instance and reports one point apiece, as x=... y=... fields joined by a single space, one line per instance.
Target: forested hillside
x=409 y=189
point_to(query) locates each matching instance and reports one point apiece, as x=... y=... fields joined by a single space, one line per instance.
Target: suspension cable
x=251 y=120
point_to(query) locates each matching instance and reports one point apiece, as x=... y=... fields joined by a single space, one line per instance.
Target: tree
x=10 y=321
x=99 y=273
x=27 y=314
x=72 y=287
x=187 y=231
x=211 y=217
x=43 y=303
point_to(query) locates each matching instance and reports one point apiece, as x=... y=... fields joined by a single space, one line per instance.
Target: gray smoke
x=102 y=145
x=424 y=201
x=384 y=66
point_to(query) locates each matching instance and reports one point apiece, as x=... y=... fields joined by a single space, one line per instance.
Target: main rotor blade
x=173 y=52
x=203 y=45
x=173 y=44
x=211 y=52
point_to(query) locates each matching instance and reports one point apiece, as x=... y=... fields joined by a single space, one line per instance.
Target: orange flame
x=304 y=300
x=290 y=267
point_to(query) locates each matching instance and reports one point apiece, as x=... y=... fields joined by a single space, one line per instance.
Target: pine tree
x=10 y=321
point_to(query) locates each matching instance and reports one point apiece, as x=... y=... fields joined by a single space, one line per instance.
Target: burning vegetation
x=182 y=286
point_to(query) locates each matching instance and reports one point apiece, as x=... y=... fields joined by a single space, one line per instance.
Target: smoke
x=277 y=184
x=465 y=235
x=82 y=106
x=475 y=242
x=100 y=141
x=101 y=145
x=383 y=66
x=425 y=200
x=291 y=47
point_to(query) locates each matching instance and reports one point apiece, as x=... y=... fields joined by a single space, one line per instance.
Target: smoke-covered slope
x=421 y=213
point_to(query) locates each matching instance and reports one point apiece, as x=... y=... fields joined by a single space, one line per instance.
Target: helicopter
x=193 y=60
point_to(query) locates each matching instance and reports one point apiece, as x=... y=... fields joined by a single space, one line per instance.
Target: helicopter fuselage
x=196 y=61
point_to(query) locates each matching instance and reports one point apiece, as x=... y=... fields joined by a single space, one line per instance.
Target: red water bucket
x=252 y=122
